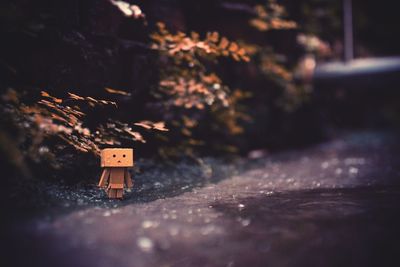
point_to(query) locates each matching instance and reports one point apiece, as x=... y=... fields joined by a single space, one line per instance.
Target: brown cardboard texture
x=117 y=157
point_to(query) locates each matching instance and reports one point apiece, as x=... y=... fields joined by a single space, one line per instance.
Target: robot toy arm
x=104 y=177
x=128 y=179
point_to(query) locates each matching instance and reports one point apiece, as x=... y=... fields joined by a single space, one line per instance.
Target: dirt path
x=335 y=204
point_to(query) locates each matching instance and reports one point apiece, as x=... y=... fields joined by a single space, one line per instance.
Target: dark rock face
x=73 y=44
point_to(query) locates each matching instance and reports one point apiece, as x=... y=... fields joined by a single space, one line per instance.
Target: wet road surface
x=335 y=204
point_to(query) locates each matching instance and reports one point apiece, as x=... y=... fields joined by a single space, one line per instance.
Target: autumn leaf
x=160 y=126
x=233 y=47
x=75 y=97
x=118 y=92
x=54 y=99
x=136 y=135
x=128 y=10
x=223 y=43
x=213 y=36
x=144 y=124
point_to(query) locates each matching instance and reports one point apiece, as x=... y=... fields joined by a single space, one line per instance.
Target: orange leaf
x=233 y=47
x=75 y=97
x=160 y=126
x=224 y=43
x=144 y=124
x=118 y=92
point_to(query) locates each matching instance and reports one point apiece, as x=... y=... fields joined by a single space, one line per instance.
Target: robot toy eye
x=114 y=156
x=124 y=155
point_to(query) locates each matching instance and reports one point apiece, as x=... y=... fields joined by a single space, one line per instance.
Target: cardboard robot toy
x=115 y=176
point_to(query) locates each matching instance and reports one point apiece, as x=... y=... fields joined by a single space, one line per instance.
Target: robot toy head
x=117 y=157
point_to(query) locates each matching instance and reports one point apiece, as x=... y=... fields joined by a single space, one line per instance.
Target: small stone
x=353 y=170
x=145 y=244
x=245 y=222
x=149 y=224
x=107 y=214
x=325 y=165
x=115 y=211
x=207 y=229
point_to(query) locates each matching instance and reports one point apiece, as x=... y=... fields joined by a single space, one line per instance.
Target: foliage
x=185 y=78
x=67 y=120
x=271 y=17
x=187 y=82
x=129 y=10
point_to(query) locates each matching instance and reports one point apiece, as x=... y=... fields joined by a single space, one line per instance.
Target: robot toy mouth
x=119 y=161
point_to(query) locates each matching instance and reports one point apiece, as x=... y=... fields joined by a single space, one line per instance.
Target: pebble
x=353 y=170
x=145 y=244
x=245 y=222
x=149 y=224
x=107 y=214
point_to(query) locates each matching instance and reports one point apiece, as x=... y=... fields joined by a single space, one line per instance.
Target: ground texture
x=334 y=204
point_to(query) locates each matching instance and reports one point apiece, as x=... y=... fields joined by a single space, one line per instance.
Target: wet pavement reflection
x=334 y=204
x=332 y=227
